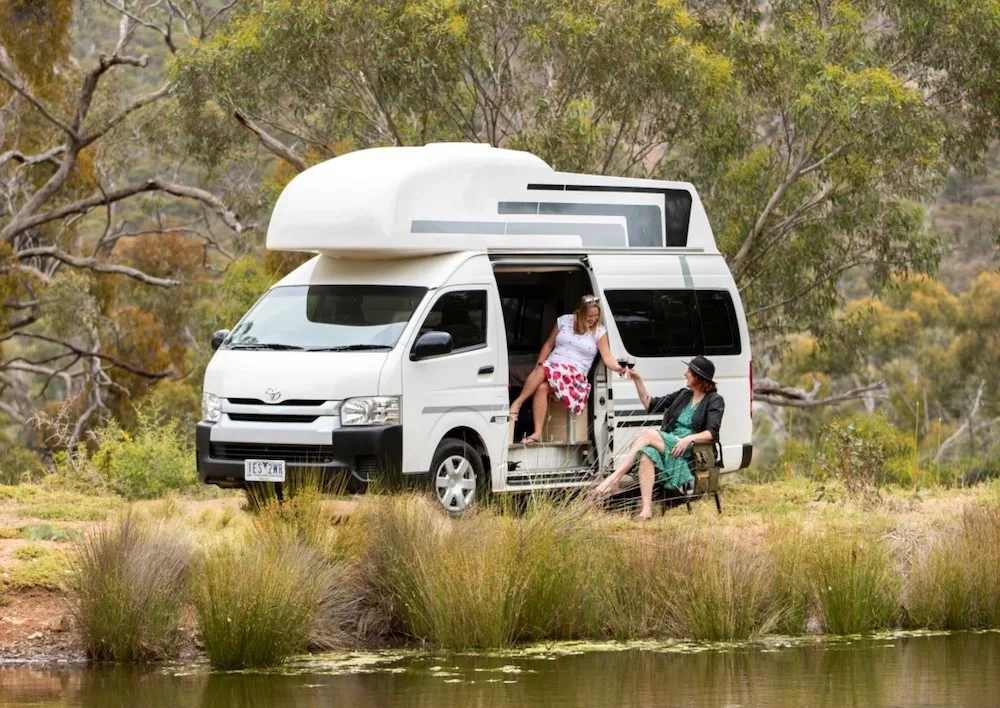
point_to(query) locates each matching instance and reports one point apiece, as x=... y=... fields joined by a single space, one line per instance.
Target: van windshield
x=327 y=318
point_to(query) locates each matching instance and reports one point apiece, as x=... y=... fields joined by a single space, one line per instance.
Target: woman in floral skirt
x=563 y=365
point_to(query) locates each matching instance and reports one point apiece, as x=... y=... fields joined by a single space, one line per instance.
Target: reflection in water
x=951 y=670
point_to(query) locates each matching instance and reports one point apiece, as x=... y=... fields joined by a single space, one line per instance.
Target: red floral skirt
x=568 y=384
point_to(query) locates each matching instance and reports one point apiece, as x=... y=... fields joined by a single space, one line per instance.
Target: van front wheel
x=457 y=474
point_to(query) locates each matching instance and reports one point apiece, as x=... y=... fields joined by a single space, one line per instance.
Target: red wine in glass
x=630 y=363
x=623 y=363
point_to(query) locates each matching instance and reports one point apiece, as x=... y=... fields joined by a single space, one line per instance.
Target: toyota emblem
x=272 y=394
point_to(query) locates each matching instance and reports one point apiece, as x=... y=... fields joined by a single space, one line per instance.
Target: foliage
x=256 y=605
x=130 y=578
x=866 y=452
x=156 y=459
x=19 y=464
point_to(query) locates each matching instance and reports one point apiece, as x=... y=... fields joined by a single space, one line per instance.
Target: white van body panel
x=464 y=389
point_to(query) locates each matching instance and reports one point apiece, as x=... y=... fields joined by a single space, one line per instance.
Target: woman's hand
x=682 y=445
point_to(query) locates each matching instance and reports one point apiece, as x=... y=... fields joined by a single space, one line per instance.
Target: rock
x=36 y=635
x=59 y=623
x=12 y=620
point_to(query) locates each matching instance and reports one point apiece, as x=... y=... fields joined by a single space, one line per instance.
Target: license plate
x=264 y=470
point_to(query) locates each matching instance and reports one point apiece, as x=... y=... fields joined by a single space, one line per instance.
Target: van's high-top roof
x=447 y=197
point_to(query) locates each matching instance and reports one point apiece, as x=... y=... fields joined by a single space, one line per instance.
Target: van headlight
x=372 y=410
x=211 y=407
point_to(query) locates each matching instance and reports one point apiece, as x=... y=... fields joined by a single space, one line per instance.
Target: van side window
x=669 y=323
x=462 y=315
x=718 y=322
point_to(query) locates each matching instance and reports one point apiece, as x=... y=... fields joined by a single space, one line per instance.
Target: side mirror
x=431 y=344
x=218 y=338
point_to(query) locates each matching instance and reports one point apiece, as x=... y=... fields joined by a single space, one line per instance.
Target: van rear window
x=667 y=323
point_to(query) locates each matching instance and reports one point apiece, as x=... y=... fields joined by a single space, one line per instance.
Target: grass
x=130 y=579
x=40 y=567
x=955 y=582
x=787 y=558
x=257 y=605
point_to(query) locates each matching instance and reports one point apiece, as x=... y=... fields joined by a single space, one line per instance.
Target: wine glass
x=630 y=363
x=623 y=363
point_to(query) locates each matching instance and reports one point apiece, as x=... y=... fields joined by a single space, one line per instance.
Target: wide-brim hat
x=702 y=367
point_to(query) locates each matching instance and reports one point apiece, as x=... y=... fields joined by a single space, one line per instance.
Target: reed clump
x=257 y=605
x=955 y=583
x=485 y=579
x=130 y=578
x=844 y=579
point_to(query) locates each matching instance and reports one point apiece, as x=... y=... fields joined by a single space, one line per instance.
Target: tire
x=457 y=475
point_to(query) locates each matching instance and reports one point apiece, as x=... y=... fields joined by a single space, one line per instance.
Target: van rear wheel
x=458 y=476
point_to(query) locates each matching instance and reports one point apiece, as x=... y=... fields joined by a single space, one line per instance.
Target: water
x=923 y=670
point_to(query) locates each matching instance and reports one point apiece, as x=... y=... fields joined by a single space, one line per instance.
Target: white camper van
x=395 y=353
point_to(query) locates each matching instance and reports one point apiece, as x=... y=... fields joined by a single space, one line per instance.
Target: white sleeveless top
x=577 y=350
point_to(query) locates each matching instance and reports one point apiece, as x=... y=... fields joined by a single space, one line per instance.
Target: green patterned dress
x=672 y=472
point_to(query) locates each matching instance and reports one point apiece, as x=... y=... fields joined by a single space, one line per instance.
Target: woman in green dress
x=690 y=415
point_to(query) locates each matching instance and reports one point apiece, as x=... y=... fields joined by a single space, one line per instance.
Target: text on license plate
x=264 y=470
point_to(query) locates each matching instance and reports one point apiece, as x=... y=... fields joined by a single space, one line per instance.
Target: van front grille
x=301 y=454
x=271 y=418
x=290 y=402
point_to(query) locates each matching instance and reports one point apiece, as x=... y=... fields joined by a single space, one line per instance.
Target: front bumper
x=358 y=456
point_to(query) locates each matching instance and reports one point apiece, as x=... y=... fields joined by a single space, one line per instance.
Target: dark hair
x=703 y=384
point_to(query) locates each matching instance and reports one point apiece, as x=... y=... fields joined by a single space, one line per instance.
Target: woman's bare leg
x=646 y=438
x=647 y=474
x=539 y=407
x=534 y=380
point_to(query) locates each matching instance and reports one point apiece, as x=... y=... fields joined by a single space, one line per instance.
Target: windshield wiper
x=350 y=348
x=272 y=346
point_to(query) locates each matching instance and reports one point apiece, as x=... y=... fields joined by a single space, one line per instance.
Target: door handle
x=485 y=370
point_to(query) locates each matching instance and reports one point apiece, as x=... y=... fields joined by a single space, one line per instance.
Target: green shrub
x=147 y=464
x=867 y=452
x=19 y=465
x=130 y=579
x=257 y=605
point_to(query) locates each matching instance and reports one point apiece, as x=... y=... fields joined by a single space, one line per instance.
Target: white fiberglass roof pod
x=396 y=202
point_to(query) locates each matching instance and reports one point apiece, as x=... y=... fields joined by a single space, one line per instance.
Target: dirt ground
x=40 y=527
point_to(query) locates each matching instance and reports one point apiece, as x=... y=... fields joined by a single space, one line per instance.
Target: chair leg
x=718 y=503
x=688 y=505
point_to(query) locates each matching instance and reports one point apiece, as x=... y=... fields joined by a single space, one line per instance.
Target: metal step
x=540 y=478
x=543 y=445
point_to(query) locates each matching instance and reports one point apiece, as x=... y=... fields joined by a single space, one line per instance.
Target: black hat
x=703 y=367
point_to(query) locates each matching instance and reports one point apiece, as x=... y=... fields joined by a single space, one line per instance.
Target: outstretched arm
x=609 y=360
x=640 y=388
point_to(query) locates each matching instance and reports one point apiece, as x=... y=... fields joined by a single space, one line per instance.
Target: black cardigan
x=708 y=415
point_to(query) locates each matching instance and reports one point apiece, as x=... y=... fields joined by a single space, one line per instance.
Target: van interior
x=532 y=298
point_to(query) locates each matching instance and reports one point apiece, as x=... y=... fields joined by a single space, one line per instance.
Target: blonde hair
x=580 y=315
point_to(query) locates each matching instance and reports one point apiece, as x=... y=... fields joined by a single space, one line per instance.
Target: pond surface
x=900 y=670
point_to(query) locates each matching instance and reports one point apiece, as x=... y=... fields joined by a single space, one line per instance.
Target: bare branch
x=114 y=361
x=125 y=112
x=152 y=185
x=29 y=160
x=965 y=426
x=770 y=391
x=271 y=143
x=95 y=265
